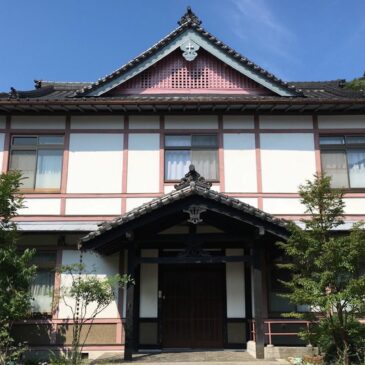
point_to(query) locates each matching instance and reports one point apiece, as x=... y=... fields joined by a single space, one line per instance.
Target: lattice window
x=175 y=73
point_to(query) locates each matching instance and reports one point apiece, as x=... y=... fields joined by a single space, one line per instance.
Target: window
x=183 y=150
x=39 y=158
x=43 y=283
x=343 y=159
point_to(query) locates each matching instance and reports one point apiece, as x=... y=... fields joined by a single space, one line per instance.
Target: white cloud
x=254 y=19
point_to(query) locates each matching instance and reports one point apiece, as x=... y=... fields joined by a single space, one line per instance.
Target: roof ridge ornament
x=189 y=17
x=13 y=93
x=193 y=178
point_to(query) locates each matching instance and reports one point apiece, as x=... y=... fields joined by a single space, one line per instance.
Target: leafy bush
x=16 y=273
x=327 y=273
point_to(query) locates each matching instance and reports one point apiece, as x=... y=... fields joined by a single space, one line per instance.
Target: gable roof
x=189 y=29
x=190 y=185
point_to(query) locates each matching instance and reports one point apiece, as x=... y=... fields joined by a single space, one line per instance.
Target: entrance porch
x=198 y=258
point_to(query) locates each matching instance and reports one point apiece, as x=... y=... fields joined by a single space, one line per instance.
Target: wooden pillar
x=265 y=286
x=129 y=322
x=258 y=300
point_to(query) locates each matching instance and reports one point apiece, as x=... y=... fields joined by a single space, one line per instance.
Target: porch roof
x=191 y=185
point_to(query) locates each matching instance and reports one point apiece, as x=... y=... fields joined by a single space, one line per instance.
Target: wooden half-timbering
x=268 y=140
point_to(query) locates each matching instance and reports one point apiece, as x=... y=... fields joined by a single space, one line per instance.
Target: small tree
x=86 y=297
x=327 y=272
x=16 y=273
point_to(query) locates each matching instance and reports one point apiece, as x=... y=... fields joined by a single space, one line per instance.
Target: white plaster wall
x=143 y=163
x=136 y=202
x=41 y=207
x=287 y=160
x=93 y=206
x=354 y=206
x=97 y=122
x=2 y=145
x=101 y=266
x=191 y=122
x=250 y=201
x=95 y=163
x=2 y=121
x=238 y=122
x=144 y=122
x=216 y=188
x=38 y=122
x=285 y=206
x=168 y=188
x=235 y=284
x=240 y=162
x=286 y=122
x=341 y=121
x=149 y=287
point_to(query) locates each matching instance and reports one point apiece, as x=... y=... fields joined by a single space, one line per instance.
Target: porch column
x=257 y=254
x=129 y=322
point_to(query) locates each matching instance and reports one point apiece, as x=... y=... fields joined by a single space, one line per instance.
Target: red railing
x=268 y=325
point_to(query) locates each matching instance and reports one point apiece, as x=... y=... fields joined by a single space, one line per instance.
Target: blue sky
x=83 y=40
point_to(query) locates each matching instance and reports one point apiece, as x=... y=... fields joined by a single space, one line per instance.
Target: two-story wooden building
x=200 y=247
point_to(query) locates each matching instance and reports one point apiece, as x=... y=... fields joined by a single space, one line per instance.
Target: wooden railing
x=268 y=327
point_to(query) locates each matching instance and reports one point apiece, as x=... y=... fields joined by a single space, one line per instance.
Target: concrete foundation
x=282 y=352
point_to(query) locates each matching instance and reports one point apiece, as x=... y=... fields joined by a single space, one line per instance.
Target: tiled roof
x=50 y=90
x=192 y=188
x=60 y=85
x=327 y=89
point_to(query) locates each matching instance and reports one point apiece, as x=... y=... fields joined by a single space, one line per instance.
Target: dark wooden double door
x=193 y=306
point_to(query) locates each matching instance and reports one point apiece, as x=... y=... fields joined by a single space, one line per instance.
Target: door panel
x=193 y=306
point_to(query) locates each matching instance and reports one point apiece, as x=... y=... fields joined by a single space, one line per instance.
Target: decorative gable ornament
x=194 y=212
x=190 y=49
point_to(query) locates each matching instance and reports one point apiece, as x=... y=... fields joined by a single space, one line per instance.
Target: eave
x=174 y=104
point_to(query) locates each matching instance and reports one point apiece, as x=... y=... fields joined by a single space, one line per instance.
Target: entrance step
x=229 y=357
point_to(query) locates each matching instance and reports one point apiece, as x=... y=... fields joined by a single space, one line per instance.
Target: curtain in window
x=25 y=161
x=334 y=165
x=176 y=164
x=206 y=163
x=356 y=163
x=42 y=291
x=49 y=167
